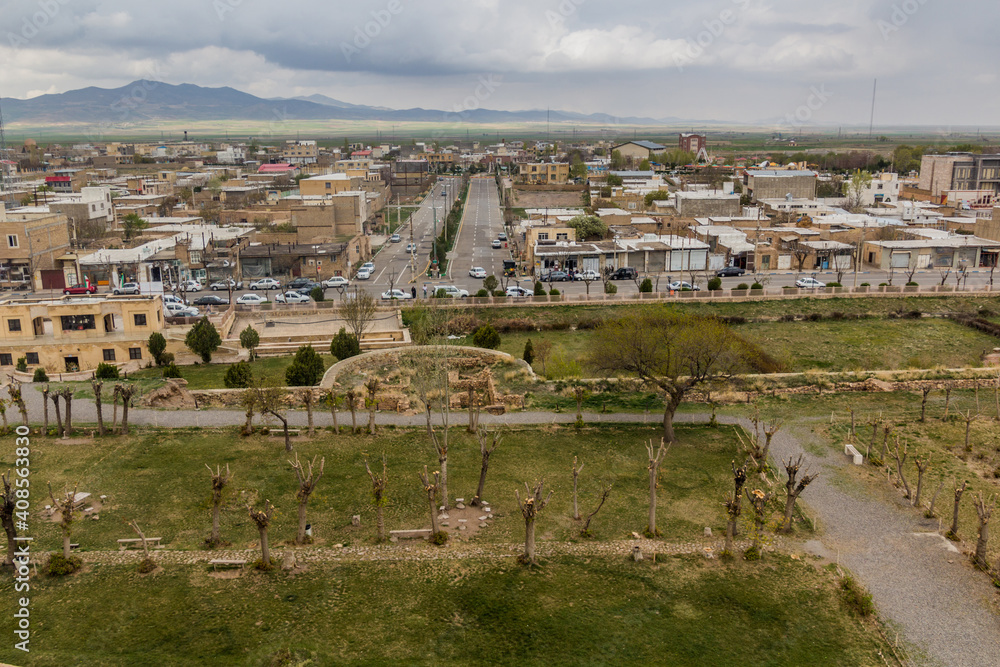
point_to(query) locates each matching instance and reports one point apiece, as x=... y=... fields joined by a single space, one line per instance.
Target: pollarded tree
x=249 y=341
x=7 y=507
x=262 y=518
x=952 y=534
x=984 y=511
x=734 y=505
x=17 y=398
x=126 y=392
x=673 y=351
x=98 y=387
x=655 y=459
x=430 y=483
x=203 y=339
x=378 y=495
x=307 y=484
x=486 y=449
x=332 y=399
x=351 y=397
x=372 y=388
x=758 y=500
x=532 y=505
x=793 y=491
x=219 y=482
x=65 y=504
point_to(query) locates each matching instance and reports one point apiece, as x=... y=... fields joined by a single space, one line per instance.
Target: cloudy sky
x=740 y=60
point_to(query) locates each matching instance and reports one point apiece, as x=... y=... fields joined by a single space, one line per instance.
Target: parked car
x=395 y=238
x=265 y=284
x=396 y=294
x=291 y=297
x=501 y=236
x=809 y=283
x=226 y=285
x=589 y=274
x=477 y=272
x=336 y=281
x=180 y=310
x=555 y=277
x=251 y=300
x=518 y=291
x=496 y=244
x=451 y=291
x=210 y=300
x=190 y=286
x=82 y=288
x=127 y=288
x=730 y=271
x=370 y=266
x=681 y=285
x=625 y=273
x=299 y=283
x=173 y=298
x=363 y=274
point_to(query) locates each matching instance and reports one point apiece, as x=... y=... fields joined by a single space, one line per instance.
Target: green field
x=212 y=376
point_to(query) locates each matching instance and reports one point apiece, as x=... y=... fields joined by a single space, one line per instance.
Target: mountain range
x=145 y=101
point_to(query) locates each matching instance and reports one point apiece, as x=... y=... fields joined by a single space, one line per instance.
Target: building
x=544 y=173
x=638 y=150
x=300 y=152
x=780 y=183
x=30 y=247
x=694 y=143
x=316 y=261
x=884 y=189
x=953 y=252
x=438 y=161
x=327 y=185
x=77 y=333
x=707 y=203
x=960 y=171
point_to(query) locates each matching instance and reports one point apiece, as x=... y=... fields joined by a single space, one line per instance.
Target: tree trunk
x=652 y=501
x=786 y=522
x=59 y=423
x=979 y=559
x=730 y=533
x=98 y=390
x=478 y=500
x=45 y=411
x=333 y=414
x=434 y=521
x=288 y=437
x=125 y=401
x=265 y=551
x=923 y=406
x=68 y=399
x=300 y=538
x=529 y=540
x=114 y=414
x=66 y=549
x=8 y=527
x=216 y=532
x=576 y=509
x=947 y=402
x=380 y=523
x=668 y=421
x=309 y=415
x=371 y=417
x=443 y=485
x=354 y=418
x=953 y=533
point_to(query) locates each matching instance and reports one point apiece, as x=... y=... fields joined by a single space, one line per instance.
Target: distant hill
x=144 y=101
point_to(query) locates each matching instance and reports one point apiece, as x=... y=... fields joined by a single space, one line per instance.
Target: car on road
x=589 y=274
x=809 y=283
x=625 y=273
x=518 y=291
x=477 y=272
x=291 y=297
x=555 y=277
x=127 y=288
x=190 y=286
x=82 y=288
x=251 y=300
x=173 y=298
x=682 y=285
x=730 y=271
x=336 y=281
x=411 y=247
x=300 y=283
x=226 y=285
x=497 y=243
x=265 y=284
x=370 y=266
x=180 y=310
x=210 y=300
x=363 y=274
x=395 y=238
x=396 y=294
x=501 y=236
x=450 y=291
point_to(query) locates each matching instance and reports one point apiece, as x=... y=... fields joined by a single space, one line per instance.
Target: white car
x=681 y=285
x=502 y=236
x=363 y=274
x=395 y=238
x=336 y=281
x=226 y=284
x=370 y=266
x=265 y=284
x=190 y=286
x=451 y=291
x=396 y=294
x=251 y=300
x=291 y=297
x=497 y=243
x=180 y=310
x=477 y=272
x=589 y=274
x=809 y=283
x=172 y=298
x=127 y=288
x=411 y=247
x=517 y=291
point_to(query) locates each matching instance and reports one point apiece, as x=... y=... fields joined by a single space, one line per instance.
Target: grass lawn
x=571 y=611
x=212 y=376
x=159 y=478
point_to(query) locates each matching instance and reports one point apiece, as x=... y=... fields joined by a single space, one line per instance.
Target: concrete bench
x=126 y=542
x=420 y=533
x=225 y=562
x=856 y=456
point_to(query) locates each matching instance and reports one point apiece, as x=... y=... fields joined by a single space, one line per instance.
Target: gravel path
x=920 y=584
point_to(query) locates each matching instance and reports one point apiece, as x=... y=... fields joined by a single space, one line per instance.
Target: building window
x=78 y=322
x=13 y=325
x=140 y=319
x=109 y=355
x=562 y=237
x=12 y=241
x=135 y=353
x=31 y=358
x=543 y=236
x=6 y=360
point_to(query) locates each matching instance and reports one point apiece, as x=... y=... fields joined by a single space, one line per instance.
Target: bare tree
x=359 y=313
x=952 y=534
x=67 y=397
x=127 y=393
x=488 y=442
x=576 y=475
x=98 y=387
x=262 y=518
x=45 y=409
x=65 y=504
x=655 y=459
x=271 y=401
x=585 y=531
x=874 y=422
x=59 y=422
x=307 y=484
x=7 y=506
x=17 y=398
x=308 y=400
x=532 y=505
x=440 y=446
x=947 y=403
x=922 y=466
x=793 y=491
x=886 y=431
x=248 y=401
x=219 y=482
x=984 y=510
x=579 y=394
x=734 y=504
x=900 y=462
x=968 y=416
x=430 y=482
x=945 y=272
x=352 y=404
x=148 y=564
x=930 y=509
x=372 y=387
x=544 y=349
x=923 y=402
x=473 y=402
x=378 y=495
x=3 y=414
x=332 y=399
x=758 y=500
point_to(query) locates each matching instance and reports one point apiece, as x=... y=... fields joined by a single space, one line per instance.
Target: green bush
x=249 y=340
x=856 y=597
x=440 y=538
x=239 y=376
x=40 y=375
x=22 y=364
x=553 y=292
x=742 y=286
x=317 y=294
x=913 y=284
x=883 y=284
x=834 y=284
x=539 y=288
x=610 y=288
x=441 y=294
x=756 y=286
x=306 y=369
x=865 y=285
x=157 y=346
x=529 y=352
x=715 y=284
x=60 y=566
x=646 y=286
x=344 y=345
x=147 y=565
x=106 y=372
x=482 y=293
x=486 y=336
x=171 y=371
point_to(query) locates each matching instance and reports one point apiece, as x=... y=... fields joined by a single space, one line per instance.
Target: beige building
x=30 y=245
x=329 y=184
x=78 y=333
x=545 y=173
x=638 y=151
